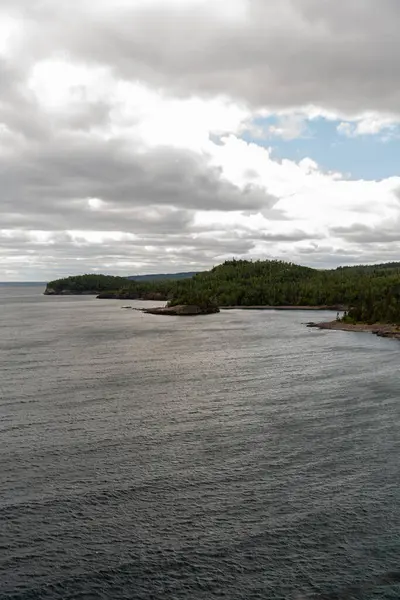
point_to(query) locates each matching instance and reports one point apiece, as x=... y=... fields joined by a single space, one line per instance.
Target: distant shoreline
x=381 y=330
x=21 y=283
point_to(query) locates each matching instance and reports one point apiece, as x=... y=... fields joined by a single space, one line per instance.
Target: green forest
x=81 y=284
x=108 y=286
x=371 y=293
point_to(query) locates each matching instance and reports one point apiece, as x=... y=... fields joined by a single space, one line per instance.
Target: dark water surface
x=238 y=455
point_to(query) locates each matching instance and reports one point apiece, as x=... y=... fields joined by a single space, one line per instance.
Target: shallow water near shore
x=235 y=455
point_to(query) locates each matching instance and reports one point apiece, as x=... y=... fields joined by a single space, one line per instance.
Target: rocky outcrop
x=181 y=310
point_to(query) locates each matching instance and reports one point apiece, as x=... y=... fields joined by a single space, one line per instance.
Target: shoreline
x=381 y=330
x=340 y=308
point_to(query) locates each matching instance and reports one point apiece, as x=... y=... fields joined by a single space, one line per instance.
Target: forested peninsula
x=368 y=293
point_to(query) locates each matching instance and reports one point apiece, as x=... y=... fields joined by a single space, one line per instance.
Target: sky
x=145 y=136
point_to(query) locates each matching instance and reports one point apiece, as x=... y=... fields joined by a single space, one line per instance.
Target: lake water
x=238 y=455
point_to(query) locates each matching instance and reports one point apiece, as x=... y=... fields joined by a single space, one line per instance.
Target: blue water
x=238 y=455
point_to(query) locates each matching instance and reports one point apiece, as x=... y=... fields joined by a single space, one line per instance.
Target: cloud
x=122 y=126
x=278 y=55
x=346 y=129
x=289 y=127
x=57 y=254
x=369 y=124
x=59 y=178
x=386 y=233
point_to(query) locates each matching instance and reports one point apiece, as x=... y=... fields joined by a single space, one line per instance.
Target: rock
x=181 y=310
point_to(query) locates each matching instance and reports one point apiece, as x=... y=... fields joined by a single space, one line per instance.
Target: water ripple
x=240 y=456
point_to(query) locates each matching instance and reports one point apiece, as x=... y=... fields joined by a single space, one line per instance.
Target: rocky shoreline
x=387 y=331
x=52 y=292
x=180 y=310
x=336 y=307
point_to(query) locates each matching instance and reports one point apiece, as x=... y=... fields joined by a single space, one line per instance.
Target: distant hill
x=390 y=266
x=158 y=276
x=153 y=287
x=85 y=284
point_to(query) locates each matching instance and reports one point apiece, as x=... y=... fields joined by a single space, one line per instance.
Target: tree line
x=370 y=292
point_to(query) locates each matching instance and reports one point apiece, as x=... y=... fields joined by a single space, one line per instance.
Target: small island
x=182 y=310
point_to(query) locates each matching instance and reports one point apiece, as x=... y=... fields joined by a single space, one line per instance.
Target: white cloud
x=346 y=129
x=289 y=127
x=96 y=203
x=135 y=110
x=11 y=32
x=368 y=124
x=60 y=85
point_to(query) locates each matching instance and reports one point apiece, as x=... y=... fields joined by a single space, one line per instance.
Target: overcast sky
x=142 y=136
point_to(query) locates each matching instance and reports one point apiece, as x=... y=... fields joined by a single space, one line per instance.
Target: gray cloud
x=328 y=257
x=338 y=55
x=65 y=255
x=292 y=236
x=362 y=234
x=46 y=185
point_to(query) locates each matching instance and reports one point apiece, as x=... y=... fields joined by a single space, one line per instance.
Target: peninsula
x=369 y=293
